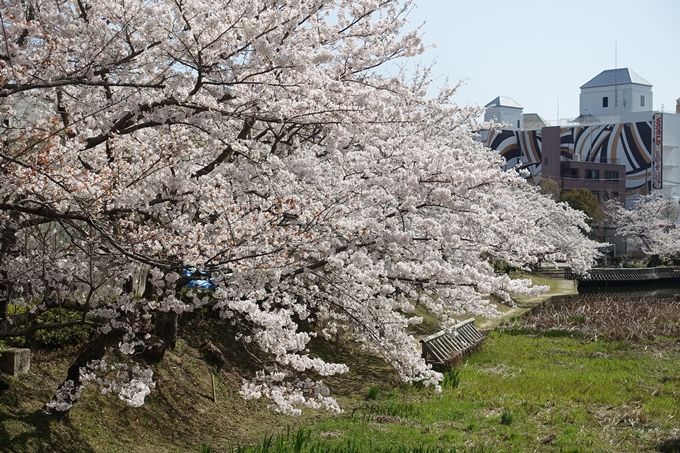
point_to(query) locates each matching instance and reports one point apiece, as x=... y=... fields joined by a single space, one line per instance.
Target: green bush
x=61 y=337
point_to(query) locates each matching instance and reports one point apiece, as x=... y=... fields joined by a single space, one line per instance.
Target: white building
x=615 y=92
x=505 y=110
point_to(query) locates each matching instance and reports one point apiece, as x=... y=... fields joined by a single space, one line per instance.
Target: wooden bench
x=450 y=347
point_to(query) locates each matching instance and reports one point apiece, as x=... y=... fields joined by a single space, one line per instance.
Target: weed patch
x=373 y=393
x=612 y=318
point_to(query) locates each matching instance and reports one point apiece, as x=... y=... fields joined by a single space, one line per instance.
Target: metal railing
x=596 y=160
x=634 y=274
x=605 y=119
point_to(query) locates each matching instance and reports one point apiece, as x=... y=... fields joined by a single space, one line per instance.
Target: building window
x=517 y=124
x=592 y=174
x=605 y=102
x=611 y=176
x=545 y=161
x=569 y=173
x=642 y=101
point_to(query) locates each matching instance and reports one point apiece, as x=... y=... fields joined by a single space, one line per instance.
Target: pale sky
x=537 y=52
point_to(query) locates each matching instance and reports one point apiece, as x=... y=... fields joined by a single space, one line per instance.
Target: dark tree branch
x=9 y=89
x=224 y=155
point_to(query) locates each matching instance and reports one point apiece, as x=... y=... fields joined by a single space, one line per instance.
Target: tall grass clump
x=395 y=409
x=300 y=442
x=373 y=393
x=451 y=379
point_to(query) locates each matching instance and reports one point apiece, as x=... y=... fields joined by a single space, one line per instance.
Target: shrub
x=60 y=337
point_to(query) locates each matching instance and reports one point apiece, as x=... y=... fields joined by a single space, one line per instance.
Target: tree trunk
x=4 y=295
x=654 y=261
x=8 y=240
x=166 y=322
x=166 y=328
x=69 y=390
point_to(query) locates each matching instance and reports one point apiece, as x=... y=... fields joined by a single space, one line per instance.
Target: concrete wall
x=509 y=115
x=15 y=361
x=625 y=98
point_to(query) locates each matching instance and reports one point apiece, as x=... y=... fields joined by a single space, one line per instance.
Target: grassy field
x=523 y=393
x=536 y=385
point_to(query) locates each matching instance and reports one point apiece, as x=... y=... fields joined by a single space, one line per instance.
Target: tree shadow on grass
x=669 y=445
x=22 y=431
x=365 y=370
x=23 y=426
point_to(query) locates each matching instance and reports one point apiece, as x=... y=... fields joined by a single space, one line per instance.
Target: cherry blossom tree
x=652 y=225
x=258 y=140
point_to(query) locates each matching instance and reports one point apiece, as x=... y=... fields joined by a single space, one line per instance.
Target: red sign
x=657 y=153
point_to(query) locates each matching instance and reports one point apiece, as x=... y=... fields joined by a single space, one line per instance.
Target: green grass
x=523 y=393
x=539 y=280
x=451 y=378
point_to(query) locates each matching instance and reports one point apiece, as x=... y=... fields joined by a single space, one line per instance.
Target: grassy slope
x=180 y=414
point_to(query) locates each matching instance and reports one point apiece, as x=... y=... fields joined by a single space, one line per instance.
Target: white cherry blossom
x=262 y=141
x=651 y=225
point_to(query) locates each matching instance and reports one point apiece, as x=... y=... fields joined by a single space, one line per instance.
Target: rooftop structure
x=615 y=77
x=533 y=121
x=615 y=92
x=505 y=110
x=504 y=101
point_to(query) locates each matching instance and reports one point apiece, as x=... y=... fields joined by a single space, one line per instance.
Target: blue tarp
x=198 y=283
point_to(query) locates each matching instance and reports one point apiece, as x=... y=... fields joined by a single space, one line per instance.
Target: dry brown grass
x=613 y=318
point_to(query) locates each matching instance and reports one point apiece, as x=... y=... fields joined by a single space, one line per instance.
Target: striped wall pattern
x=628 y=144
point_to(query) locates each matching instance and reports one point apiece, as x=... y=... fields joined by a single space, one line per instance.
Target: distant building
x=505 y=110
x=615 y=92
x=618 y=147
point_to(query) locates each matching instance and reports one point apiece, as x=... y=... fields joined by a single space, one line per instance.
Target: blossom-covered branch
x=258 y=140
